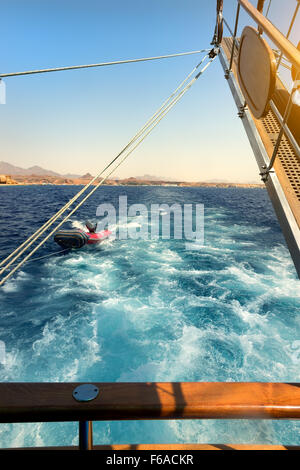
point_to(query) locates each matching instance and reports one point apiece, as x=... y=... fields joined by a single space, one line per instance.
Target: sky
x=77 y=121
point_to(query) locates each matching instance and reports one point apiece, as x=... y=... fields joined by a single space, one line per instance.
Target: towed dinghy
x=77 y=238
x=71 y=238
x=93 y=236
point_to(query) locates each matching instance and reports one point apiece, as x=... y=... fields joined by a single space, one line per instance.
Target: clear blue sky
x=76 y=121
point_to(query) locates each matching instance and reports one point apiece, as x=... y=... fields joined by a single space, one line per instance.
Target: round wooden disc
x=256 y=71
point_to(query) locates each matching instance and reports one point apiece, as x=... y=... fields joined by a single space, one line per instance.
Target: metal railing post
x=290 y=29
x=85 y=435
x=286 y=116
x=233 y=39
x=85 y=393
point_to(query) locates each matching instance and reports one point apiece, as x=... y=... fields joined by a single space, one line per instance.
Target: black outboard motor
x=92 y=227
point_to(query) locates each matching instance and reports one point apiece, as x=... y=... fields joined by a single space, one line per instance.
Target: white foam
x=12 y=285
x=247 y=316
x=11 y=365
x=78 y=224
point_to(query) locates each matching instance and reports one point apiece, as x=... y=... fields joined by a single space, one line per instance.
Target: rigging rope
x=49 y=255
x=268 y=9
x=27 y=243
x=149 y=126
x=101 y=64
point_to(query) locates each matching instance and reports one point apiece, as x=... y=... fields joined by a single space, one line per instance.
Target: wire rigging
x=289 y=30
x=175 y=96
x=25 y=245
x=268 y=9
x=101 y=64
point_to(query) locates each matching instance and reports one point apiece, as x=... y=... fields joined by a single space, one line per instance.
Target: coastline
x=150 y=184
x=45 y=178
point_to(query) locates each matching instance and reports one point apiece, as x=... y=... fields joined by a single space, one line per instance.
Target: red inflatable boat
x=94 y=238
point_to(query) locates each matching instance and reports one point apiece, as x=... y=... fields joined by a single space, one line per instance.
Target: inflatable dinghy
x=71 y=238
x=77 y=238
x=97 y=237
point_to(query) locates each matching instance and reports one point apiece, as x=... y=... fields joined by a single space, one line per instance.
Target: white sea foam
x=13 y=284
x=248 y=316
x=78 y=224
x=150 y=311
x=11 y=365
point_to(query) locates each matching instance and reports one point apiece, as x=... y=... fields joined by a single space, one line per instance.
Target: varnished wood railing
x=285 y=46
x=45 y=402
x=36 y=402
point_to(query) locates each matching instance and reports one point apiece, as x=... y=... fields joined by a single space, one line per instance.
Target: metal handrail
x=286 y=47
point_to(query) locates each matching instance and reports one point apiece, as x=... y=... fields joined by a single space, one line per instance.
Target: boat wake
x=149 y=310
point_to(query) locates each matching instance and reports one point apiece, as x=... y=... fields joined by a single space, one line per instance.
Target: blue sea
x=151 y=310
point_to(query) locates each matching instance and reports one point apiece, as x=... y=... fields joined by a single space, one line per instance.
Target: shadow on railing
x=55 y=402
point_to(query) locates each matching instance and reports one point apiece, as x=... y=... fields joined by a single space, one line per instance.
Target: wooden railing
x=34 y=402
x=44 y=402
x=285 y=46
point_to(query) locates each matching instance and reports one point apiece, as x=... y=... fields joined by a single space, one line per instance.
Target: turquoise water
x=150 y=310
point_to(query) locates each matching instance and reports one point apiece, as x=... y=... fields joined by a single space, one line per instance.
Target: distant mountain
x=71 y=175
x=153 y=178
x=17 y=171
x=8 y=169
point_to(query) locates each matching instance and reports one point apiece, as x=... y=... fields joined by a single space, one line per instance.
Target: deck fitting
x=85 y=392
